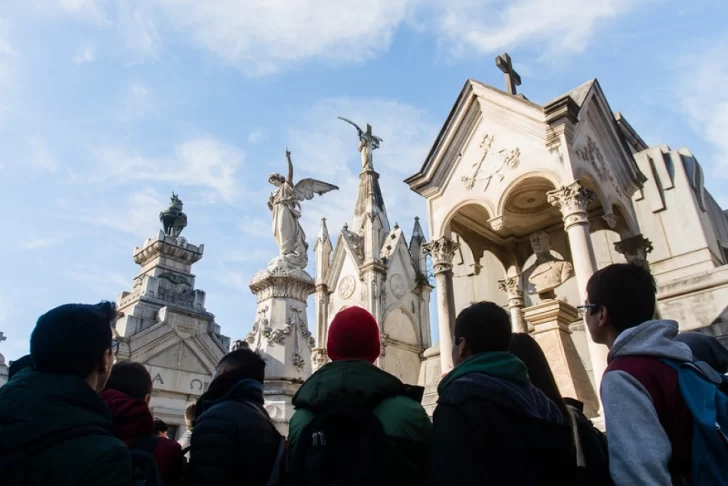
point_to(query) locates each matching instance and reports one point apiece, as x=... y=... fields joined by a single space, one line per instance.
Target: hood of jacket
x=498 y=364
x=652 y=338
x=232 y=385
x=131 y=417
x=347 y=381
x=34 y=405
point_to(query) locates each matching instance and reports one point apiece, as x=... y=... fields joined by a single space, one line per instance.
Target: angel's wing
x=306 y=188
x=351 y=123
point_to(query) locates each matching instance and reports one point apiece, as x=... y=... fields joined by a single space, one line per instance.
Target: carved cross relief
x=509 y=159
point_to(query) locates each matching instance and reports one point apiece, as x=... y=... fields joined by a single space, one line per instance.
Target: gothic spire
x=323 y=234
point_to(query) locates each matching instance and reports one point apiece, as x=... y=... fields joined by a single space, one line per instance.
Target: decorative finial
x=368 y=142
x=173 y=219
x=396 y=225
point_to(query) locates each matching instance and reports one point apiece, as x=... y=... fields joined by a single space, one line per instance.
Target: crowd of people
x=71 y=415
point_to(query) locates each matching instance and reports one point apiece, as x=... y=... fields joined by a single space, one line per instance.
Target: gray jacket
x=639 y=447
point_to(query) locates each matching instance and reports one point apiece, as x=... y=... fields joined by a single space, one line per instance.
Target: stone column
x=635 y=250
x=572 y=201
x=442 y=252
x=512 y=287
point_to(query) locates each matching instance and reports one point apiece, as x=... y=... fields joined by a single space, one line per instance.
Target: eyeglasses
x=114 y=346
x=583 y=308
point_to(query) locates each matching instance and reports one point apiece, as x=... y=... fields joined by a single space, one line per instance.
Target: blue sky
x=107 y=106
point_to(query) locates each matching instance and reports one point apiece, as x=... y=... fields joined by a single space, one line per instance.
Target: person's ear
x=147 y=398
x=603 y=316
x=107 y=361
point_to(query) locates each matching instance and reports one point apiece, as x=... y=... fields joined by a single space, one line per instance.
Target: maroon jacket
x=649 y=427
x=131 y=419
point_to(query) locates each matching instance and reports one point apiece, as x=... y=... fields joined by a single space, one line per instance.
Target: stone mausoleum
x=165 y=324
x=525 y=201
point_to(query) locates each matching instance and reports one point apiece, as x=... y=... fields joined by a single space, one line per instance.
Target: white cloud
x=326 y=148
x=266 y=37
x=234 y=280
x=101 y=279
x=87 y=10
x=558 y=26
x=255 y=136
x=205 y=163
x=699 y=73
x=36 y=243
x=137 y=214
x=138 y=29
x=137 y=101
x=40 y=156
x=84 y=54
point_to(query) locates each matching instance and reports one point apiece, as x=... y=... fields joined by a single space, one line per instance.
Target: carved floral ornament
x=346 y=287
x=512 y=287
x=590 y=153
x=572 y=201
x=508 y=159
x=442 y=251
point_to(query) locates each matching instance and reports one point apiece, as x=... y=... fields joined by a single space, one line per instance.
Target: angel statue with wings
x=367 y=143
x=284 y=202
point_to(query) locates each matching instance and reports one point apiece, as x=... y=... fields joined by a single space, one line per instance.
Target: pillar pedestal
x=281 y=335
x=442 y=252
x=550 y=321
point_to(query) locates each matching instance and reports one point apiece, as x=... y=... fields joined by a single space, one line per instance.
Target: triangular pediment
x=596 y=117
x=179 y=357
x=476 y=104
x=342 y=252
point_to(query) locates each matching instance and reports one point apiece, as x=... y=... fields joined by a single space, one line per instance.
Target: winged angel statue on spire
x=284 y=202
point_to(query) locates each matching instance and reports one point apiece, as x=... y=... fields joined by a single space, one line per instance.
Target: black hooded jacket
x=233 y=440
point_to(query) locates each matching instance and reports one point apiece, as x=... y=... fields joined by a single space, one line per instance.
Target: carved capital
x=512 y=287
x=442 y=252
x=635 y=249
x=572 y=201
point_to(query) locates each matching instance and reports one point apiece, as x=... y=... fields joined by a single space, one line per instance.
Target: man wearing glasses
x=54 y=429
x=648 y=423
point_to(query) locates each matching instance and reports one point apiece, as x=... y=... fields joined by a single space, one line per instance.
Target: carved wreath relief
x=398 y=286
x=346 y=287
x=591 y=153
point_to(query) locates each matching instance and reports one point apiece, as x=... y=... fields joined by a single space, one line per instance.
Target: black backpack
x=15 y=467
x=145 y=470
x=343 y=445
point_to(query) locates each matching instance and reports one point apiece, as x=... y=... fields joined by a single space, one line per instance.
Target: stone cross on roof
x=513 y=79
x=2 y=337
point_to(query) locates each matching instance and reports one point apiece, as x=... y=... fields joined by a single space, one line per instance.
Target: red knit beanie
x=353 y=334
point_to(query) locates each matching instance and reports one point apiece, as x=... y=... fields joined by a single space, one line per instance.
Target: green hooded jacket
x=403 y=419
x=34 y=405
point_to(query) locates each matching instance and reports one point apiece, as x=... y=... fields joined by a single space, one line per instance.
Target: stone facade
x=166 y=327
x=374 y=266
x=504 y=168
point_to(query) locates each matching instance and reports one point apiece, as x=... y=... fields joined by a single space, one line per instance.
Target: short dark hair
x=539 y=371
x=485 y=327
x=244 y=361
x=130 y=378
x=160 y=426
x=71 y=339
x=627 y=291
x=19 y=364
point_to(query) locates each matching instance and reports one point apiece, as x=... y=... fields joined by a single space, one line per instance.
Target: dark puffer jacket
x=233 y=440
x=498 y=429
x=35 y=405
